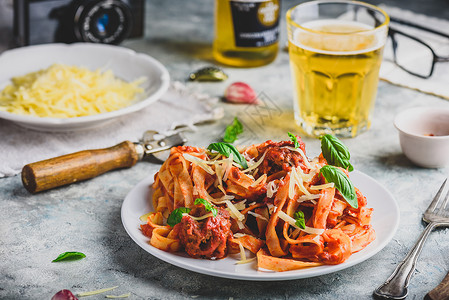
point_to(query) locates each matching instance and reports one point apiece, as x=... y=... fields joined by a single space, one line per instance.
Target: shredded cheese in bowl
x=63 y=91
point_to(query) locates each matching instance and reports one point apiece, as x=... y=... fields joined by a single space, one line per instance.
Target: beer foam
x=338 y=37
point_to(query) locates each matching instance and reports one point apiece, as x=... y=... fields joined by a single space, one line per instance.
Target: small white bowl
x=424 y=135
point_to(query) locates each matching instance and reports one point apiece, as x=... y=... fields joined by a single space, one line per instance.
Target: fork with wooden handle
x=436 y=215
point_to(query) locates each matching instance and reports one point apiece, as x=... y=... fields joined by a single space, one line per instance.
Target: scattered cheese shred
x=308 y=197
x=292 y=222
x=200 y=162
x=199 y=218
x=144 y=217
x=322 y=186
x=272 y=188
x=63 y=91
x=259 y=180
x=299 y=181
x=85 y=294
x=119 y=296
x=303 y=155
x=240 y=217
x=257 y=215
x=246 y=261
x=242 y=252
x=256 y=164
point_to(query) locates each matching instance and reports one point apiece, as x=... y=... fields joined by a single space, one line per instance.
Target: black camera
x=69 y=21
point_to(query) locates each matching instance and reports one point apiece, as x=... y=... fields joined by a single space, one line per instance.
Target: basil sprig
x=294 y=139
x=69 y=256
x=342 y=183
x=207 y=205
x=335 y=152
x=176 y=215
x=300 y=221
x=226 y=150
x=232 y=131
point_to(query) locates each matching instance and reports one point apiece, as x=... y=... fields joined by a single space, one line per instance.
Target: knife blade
x=63 y=170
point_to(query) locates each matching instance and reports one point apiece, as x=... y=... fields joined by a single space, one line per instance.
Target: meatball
x=206 y=238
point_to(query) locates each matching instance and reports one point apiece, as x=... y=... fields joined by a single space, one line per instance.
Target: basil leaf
x=232 y=131
x=335 y=152
x=176 y=215
x=207 y=205
x=300 y=221
x=342 y=183
x=69 y=256
x=226 y=149
x=294 y=139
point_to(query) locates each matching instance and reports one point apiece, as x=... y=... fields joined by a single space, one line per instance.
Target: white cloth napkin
x=437 y=84
x=179 y=106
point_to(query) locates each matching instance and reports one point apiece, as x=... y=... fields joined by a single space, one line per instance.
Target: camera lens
x=107 y=22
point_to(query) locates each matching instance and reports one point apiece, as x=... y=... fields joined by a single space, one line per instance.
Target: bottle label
x=256 y=24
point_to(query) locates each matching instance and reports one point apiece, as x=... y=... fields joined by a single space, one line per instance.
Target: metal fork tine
x=444 y=204
x=436 y=199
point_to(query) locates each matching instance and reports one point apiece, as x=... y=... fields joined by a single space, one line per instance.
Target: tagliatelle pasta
x=281 y=208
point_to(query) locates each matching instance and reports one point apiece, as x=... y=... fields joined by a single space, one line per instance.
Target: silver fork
x=436 y=215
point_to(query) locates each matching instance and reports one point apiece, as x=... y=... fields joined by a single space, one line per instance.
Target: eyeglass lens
x=412 y=55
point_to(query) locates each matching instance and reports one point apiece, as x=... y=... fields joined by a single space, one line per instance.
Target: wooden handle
x=66 y=169
x=441 y=292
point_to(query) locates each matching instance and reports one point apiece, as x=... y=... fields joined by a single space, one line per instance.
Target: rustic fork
x=436 y=215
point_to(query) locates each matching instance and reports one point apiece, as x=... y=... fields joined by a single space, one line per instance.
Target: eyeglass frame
x=436 y=58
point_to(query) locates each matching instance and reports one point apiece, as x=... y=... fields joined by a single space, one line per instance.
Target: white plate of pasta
x=60 y=87
x=384 y=221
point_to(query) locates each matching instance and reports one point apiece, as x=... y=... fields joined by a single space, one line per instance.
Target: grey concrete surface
x=85 y=216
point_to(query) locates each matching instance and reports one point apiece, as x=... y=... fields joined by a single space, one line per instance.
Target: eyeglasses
x=412 y=54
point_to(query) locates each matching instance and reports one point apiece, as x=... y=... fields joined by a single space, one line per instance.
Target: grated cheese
x=292 y=222
x=256 y=164
x=239 y=235
x=63 y=91
x=91 y=293
x=144 y=218
x=308 y=197
x=322 y=186
x=303 y=155
x=246 y=261
x=299 y=181
x=259 y=180
x=199 y=218
x=242 y=252
x=200 y=162
x=234 y=211
x=240 y=224
x=119 y=296
x=228 y=166
x=272 y=188
x=257 y=215
x=240 y=205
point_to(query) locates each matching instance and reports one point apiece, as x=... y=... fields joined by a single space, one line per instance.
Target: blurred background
x=196 y=33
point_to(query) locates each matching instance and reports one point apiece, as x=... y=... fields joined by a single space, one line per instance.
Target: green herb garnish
x=232 y=131
x=335 y=152
x=300 y=221
x=342 y=183
x=176 y=216
x=294 y=139
x=69 y=256
x=207 y=205
x=226 y=150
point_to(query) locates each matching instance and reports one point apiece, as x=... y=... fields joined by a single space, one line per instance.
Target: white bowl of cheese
x=125 y=64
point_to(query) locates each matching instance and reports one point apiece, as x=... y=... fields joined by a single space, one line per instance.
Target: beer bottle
x=246 y=32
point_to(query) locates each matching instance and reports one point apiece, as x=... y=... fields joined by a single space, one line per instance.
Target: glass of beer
x=335 y=50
